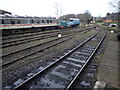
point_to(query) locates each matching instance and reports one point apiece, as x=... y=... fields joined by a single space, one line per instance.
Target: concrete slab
x=109 y=68
x=99 y=85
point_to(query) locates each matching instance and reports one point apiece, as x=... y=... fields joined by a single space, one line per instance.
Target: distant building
x=111 y=18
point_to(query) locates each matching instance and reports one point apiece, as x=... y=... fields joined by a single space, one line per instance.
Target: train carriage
x=16 y=22
x=12 y=24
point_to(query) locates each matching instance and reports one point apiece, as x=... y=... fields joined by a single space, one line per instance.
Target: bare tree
x=115 y=5
x=68 y=16
x=87 y=11
x=61 y=10
x=58 y=9
x=87 y=16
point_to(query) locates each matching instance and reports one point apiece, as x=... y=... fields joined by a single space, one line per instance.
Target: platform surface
x=109 y=69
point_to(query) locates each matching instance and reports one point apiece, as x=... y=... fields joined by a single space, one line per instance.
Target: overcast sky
x=47 y=7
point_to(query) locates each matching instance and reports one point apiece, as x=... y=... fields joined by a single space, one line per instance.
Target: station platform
x=109 y=68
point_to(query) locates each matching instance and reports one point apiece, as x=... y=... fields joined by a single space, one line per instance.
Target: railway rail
x=29 y=38
x=35 y=36
x=8 y=51
x=36 y=33
x=63 y=72
x=27 y=34
x=33 y=49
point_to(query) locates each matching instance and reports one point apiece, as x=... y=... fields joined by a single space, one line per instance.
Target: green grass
x=99 y=23
x=115 y=23
x=116 y=29
x=82 y=24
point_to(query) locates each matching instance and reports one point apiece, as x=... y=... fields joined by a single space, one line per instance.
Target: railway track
x=16 y=55
x=35 y=36
x=24 y=39
x=36 y=33
x=8 y=51
x=63 y=72
x=28 y=40
x=14 y=38
x=27 y=34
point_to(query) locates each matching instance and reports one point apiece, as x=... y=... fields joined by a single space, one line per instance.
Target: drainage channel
x=63 y=73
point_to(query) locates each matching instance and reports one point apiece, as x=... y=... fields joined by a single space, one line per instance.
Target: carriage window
x=47 y=21
x=32 y=21
x=18 y=21
x=3 y=21
x=50 y=21
x=42 y=21
x=12 y=22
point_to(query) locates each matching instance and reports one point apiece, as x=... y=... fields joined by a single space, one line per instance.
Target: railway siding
x=17 y=53
x=34 y=40
x=35 y=35
x=33 y=50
